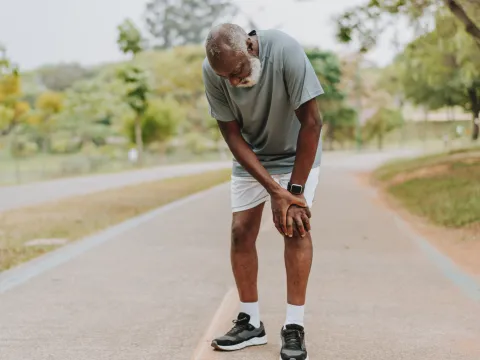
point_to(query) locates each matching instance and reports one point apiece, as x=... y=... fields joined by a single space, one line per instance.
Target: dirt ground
x=461 y=245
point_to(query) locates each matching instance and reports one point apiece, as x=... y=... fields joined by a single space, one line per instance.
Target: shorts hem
x=250 y=205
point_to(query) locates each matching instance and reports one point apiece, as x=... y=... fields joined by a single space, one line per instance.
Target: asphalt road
x=17 y=196
x=150 y=289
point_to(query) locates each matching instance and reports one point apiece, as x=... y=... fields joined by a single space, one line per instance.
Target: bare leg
x=298 y=262
x=245 y=228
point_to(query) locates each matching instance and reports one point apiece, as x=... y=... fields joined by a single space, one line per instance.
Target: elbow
x=314 y=124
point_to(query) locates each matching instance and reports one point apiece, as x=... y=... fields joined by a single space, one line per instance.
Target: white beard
x=254 y=76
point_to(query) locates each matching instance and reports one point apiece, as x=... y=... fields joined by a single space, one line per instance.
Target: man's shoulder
x=279 y=40
x=208 y=72
x=206 y=65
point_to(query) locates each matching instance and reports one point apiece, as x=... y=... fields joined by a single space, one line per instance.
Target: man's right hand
x=281 y=200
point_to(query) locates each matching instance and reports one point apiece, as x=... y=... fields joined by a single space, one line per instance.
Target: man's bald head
x=233 y=54
x=225 y=38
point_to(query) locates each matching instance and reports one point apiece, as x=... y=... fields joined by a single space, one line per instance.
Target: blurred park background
x=147 y=107
x=101 y=87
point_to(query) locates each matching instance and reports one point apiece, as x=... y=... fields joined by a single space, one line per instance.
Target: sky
x=38 y=32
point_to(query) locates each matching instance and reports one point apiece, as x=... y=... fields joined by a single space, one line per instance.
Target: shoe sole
x=252 y=342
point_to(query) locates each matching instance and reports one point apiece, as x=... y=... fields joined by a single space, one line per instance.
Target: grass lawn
x=76 y=217
x=443 y=188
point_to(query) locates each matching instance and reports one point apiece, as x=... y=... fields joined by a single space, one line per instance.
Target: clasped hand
x=289 y=210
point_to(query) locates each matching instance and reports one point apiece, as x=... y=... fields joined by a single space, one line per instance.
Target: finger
x=300 y=227
x=289 y=226
x=283 y=222
x=306 y=222
x=309 y=213
x=277 y=224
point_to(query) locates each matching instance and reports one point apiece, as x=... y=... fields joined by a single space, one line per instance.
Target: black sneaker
x=242 y=335
x=293 y=343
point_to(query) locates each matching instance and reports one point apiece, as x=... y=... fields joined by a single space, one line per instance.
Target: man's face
x=241 y=70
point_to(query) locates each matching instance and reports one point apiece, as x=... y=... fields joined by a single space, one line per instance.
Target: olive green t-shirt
x=266 y=111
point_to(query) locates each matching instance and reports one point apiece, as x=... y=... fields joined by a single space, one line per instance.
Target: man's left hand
x=300 y=217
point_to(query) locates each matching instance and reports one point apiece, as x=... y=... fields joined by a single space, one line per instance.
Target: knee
x=243 y=236
x=297 y=241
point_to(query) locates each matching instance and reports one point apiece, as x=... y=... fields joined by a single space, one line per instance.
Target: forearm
x=247 y=158
x=307 y=144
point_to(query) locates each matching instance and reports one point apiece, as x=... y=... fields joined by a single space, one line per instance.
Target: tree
x=339 y=117
x=129 y=38
x=381 y=123
x=61 y=77
x=12 y=109
x=181 y=22
x=95 y=108
x=367 y=22
x=130 y=41
x=48 y=106
x=159 y=122
x=441 y=68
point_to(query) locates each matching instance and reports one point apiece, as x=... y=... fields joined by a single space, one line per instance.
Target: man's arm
x=303 y=88
x=281 y=199
x=245 y=156
x=307 y=142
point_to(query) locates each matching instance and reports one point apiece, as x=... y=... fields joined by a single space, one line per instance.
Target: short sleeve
x=300 y=79
x=217 y=101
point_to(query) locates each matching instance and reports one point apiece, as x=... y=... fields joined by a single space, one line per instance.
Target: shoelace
x=293 y=340
x=239 y=326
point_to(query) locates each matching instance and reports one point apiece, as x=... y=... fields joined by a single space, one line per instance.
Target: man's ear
x=250 y=45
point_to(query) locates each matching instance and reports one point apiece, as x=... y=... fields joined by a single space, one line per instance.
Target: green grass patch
x=444 y=188
x=77 y=217
x=395 y=167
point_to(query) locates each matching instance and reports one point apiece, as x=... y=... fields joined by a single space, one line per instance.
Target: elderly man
x=262 y=89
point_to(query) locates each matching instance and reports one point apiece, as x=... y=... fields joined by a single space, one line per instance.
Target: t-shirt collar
x=253 y=33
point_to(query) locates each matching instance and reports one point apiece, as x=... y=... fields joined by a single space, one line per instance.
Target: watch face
x=296 y=189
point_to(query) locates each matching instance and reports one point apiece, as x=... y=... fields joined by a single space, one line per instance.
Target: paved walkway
x=35 y=193
x=151 y=292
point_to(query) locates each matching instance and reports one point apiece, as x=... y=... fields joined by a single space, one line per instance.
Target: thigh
x=246 y=193
x=246 y=223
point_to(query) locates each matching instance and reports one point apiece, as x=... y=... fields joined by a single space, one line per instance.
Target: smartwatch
x=295 y=189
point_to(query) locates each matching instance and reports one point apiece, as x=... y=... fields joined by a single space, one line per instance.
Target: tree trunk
x=425 y=124
x=472 y=93
x=138 y=139
x=380 y=141
x=461 y=15
x=331 y=136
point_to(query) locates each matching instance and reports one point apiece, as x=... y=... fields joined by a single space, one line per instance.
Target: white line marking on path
x=223 y=315
x=26 y=271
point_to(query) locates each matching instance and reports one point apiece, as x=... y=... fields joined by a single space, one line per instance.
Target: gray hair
x=225 y=37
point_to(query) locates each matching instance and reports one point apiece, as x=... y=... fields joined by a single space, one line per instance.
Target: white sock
x=295 y=314
x=253 y=310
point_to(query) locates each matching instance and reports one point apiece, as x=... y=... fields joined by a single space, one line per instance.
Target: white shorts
x=246 y=192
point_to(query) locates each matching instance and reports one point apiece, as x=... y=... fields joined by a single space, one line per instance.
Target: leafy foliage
x=183 y=22
x=159 y=122
x=129 y=38
x=60 y=77
x=339 y=117
x=11 y=107
x=442 y=68
x=381 y=123
x=364 y=24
